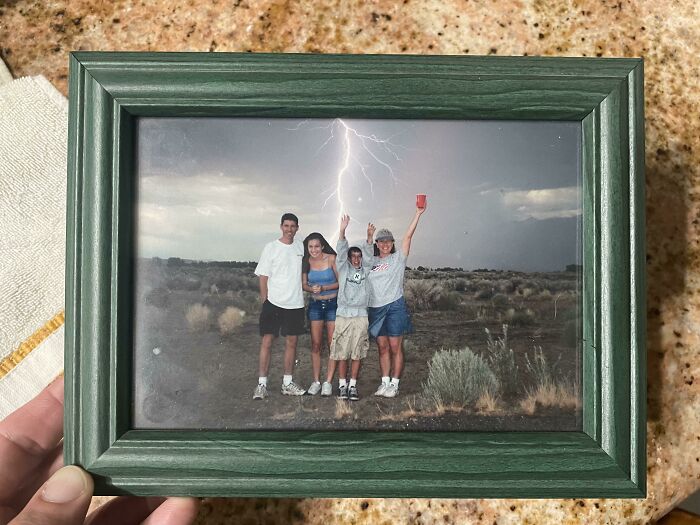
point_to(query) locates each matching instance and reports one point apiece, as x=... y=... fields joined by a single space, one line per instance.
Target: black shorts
x=281 y=321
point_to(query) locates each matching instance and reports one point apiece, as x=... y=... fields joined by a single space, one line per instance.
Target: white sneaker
x=392 y=390
x=382 y=389
x=314 y=389
x=326 y=389
x=260 y=392
x=292 y=389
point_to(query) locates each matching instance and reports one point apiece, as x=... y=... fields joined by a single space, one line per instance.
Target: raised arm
x=371 y=228
x=342 y=245
x=406 y=245
x=344 y=221
x=368 y=247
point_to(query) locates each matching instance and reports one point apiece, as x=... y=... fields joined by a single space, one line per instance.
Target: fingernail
x=65 y=485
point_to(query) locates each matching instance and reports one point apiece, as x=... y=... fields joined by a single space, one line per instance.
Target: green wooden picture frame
x=109 y=91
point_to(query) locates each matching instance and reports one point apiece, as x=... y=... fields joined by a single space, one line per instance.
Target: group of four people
x=355 y=293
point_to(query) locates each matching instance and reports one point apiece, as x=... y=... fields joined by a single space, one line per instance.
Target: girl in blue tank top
x=319 y=277
x=323 y=278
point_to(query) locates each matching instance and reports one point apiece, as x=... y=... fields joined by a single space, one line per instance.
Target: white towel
x=33 y=132
x=5 y=75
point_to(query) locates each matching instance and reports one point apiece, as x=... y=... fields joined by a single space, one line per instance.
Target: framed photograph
x=356 y=276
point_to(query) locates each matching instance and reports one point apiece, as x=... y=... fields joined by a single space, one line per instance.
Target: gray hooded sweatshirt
x=353 y=294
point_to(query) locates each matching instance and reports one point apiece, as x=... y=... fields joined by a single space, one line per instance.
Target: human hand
x=344 y=221
x=316 y=288
x=371 y=228
x=420 y=211
x=35 y=489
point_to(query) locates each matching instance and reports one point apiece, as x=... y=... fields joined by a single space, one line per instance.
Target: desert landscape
x=492 y=350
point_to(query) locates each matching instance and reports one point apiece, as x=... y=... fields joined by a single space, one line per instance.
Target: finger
x=175 y=511
x=51 y=464
x=62 y=500
x=25 y=444
x=124 y=511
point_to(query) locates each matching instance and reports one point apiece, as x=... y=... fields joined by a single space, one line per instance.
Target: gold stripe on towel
x=24 y=349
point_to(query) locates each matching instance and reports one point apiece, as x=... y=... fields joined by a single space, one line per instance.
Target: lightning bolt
x=352 y=141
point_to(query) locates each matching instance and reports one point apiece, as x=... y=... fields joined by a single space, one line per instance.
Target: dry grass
x=410 y=411
x=520 y=316
x=440 y=409
x=410 y=408
x=501 y=360
x=482 y=313
x=299 y=411
x=488 y=404
x=343 y=409
x=231 y=319
x=561 y=395
x=528 y=405
x=197 y=317
x=284 y=416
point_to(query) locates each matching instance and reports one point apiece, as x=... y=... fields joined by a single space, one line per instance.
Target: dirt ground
x=188 y=374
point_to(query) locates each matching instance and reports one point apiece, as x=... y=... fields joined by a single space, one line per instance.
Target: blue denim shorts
x=391 y=320
x=322 y=309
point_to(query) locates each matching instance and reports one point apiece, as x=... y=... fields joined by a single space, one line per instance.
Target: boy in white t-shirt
x=279 y=270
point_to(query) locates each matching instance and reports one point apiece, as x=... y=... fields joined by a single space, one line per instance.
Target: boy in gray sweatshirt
x=350 y=337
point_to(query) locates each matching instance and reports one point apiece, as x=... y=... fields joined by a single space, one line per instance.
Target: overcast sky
x=501 y=194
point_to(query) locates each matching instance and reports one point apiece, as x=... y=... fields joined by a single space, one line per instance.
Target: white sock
x=385 y=380
x=342 y=382
x=316 y=383
x=353 y=382
x=395 y=381
x=286 y=379
x=262 y=380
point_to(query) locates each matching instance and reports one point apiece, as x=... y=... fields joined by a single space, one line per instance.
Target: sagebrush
x=422 y=295
x=458 y=378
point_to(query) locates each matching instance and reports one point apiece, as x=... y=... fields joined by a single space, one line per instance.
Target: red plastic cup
x=420 y=200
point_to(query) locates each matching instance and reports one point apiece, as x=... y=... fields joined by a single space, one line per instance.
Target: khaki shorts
x=350 y=339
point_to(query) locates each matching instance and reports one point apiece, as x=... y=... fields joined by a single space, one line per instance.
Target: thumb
x=63 y=500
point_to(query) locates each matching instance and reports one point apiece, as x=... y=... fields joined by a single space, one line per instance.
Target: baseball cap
x=384 y=235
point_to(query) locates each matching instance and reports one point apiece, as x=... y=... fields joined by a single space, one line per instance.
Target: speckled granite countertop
x=35 y=38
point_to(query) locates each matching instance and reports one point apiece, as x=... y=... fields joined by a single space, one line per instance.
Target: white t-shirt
x=282 y=265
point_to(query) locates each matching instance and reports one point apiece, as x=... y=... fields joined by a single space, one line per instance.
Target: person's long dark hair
x=325 y=248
